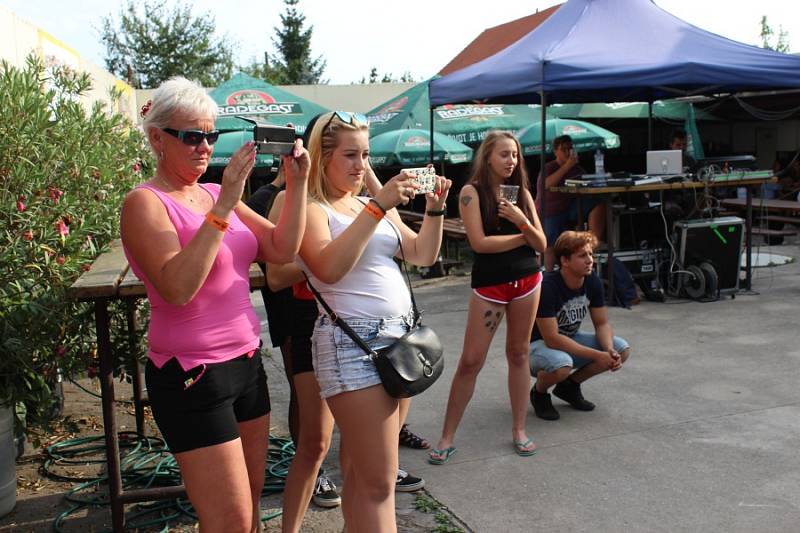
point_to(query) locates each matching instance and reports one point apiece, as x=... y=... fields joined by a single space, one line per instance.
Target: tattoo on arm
x=466 y=199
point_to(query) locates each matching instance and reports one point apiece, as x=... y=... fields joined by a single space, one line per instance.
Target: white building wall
x=18 y=38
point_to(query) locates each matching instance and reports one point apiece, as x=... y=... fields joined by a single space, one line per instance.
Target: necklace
x=341 y=206
x=170 y=188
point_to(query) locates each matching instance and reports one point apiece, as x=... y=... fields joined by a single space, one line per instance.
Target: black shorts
x=202 y=406
x=304 y=314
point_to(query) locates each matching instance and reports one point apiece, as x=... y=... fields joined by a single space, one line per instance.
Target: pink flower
x=60 y=351
x=86 y=267
x=62 y=228
x=21 y=206
x=55 y=194
x=60 y=259
x=28 y=235
x=137 y=167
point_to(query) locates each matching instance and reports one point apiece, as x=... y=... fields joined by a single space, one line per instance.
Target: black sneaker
x=542 y=405
x=408 y=483
x=325 y=494
x=570 y=392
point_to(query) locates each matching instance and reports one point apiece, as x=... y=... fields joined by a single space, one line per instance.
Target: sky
x=418 y=36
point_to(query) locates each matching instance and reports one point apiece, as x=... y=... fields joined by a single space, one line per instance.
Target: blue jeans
x=550 y=360
x=555 y=225
x=339 y=364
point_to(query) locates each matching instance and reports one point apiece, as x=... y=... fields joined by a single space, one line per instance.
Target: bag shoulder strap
x=344 y=325
x=417 y=314
x=337 y=320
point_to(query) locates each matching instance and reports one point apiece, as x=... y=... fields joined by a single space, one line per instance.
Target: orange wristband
x=523 y=227
x=217 y=222
x=374 y=211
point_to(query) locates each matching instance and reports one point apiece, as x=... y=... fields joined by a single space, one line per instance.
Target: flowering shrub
x=63 y=174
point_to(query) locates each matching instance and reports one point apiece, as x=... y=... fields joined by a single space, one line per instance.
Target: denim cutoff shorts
x=550 y=360
x=339 y=364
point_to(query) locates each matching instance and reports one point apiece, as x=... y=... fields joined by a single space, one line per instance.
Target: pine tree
x=782 y=45
x=149 y=49
x=294 y=65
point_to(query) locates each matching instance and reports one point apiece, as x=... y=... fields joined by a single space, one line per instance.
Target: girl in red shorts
x=506 y=275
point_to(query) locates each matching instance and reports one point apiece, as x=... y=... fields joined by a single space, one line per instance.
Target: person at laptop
x=561 y=210
x=679 y=142
x=560 y=354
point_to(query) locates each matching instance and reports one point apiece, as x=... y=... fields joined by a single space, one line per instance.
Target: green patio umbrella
x=694 y=147
x=666 y=109
x=467 y=124
x=257 y=100
x=229 y=142
x=412 y=147
x=585 y=136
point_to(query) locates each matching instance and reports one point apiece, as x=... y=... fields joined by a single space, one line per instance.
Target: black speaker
x=711 y=250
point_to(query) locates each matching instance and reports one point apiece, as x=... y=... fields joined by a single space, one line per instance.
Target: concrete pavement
x=698 y=432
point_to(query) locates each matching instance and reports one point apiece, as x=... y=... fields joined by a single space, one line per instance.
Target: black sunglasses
x=193 y=137
x=347 y=118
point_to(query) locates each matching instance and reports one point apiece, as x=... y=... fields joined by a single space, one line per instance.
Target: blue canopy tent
x=615 y=51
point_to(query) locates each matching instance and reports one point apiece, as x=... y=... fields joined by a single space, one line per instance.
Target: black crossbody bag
x=409 y=365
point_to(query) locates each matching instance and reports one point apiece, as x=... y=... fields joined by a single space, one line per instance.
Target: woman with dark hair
x=505 y=236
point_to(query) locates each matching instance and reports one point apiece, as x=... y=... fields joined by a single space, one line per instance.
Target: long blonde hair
x=323 y=141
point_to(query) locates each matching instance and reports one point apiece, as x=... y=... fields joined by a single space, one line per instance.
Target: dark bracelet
x=435 y=212
x=373 y=200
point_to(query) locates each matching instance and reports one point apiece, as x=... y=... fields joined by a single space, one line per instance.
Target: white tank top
x=374 y=287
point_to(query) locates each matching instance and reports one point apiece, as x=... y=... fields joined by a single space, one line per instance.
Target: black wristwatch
x=435 y=212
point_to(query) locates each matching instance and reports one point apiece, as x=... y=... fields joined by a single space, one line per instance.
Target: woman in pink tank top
x=192 y=246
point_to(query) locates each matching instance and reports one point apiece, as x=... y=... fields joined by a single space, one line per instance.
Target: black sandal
x=411 y=440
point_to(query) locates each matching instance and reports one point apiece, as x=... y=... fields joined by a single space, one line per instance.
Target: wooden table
x=109 y=279
x=747 y=183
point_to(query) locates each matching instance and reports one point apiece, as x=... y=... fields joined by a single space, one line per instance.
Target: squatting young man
x=560 y=354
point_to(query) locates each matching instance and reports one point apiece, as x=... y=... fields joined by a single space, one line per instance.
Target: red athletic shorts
x=513 y=290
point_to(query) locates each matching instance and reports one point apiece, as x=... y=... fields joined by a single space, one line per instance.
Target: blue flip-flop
x=520 y=448
x=444 y=455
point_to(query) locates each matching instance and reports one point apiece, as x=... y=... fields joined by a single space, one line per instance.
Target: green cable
x=144 y=462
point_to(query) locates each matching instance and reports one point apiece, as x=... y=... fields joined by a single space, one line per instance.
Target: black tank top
x=504 y=267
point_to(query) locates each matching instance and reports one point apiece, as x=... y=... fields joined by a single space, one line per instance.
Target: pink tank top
x=219 y=323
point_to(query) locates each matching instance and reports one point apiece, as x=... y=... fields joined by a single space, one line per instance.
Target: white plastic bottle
x=599 y=163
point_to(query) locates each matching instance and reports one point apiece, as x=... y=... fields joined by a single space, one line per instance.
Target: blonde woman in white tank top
x=348 y=250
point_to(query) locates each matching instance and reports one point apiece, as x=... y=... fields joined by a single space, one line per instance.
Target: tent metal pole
x=542 y=160
x=650 y=124
x=431 y=121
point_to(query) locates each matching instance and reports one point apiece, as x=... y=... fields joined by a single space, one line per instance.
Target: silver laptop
x=664 y=162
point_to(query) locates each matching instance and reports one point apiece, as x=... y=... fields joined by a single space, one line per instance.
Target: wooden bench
x=784 y=207
x=453 y=232
x=769 y=232
x=772 y=213
x=795 y=221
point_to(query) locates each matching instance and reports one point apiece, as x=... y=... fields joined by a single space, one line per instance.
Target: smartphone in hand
x=275 y=140
x=424 y=177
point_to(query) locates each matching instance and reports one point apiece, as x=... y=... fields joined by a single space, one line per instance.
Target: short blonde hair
x=177 y=95
x=570 y=242
x=322 y=142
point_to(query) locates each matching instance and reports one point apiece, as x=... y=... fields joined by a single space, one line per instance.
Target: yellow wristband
x=217 y=222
